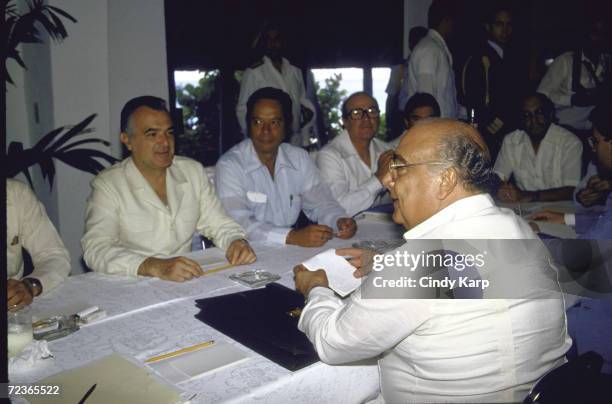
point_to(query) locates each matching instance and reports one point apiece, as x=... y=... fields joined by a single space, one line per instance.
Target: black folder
x=258 y=319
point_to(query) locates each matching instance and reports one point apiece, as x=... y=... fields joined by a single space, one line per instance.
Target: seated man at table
x=419 y=106
x=440 y=350
x=264 y=183
x=143 y=211
x=595 y=224
x=29 y=227
x=544 y=158
x=354 y=163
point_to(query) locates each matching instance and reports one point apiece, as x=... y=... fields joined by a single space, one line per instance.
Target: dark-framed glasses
x=360 y=113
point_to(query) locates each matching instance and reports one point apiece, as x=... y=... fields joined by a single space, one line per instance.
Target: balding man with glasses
x=355 y=162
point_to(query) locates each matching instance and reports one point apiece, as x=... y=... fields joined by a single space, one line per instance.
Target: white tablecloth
x=148 y=316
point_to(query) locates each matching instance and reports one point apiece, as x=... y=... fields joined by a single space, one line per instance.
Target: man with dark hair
x=431 y=64
x=419 y=106
x=143 y=211
x=264 y=183
x=273 y=70
x=439 y=350
x=576 y=81
x=594 y=224
x=354 y=163
x=489 y=80
x=544 y=158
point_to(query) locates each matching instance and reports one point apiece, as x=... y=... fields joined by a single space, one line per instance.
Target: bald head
x=449 y=161
x=454 y=142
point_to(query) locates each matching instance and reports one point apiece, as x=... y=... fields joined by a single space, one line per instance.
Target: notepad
x=117 y=380
x=339 y=271
x=193 y=364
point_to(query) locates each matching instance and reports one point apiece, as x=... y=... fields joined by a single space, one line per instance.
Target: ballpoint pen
x=91 y=389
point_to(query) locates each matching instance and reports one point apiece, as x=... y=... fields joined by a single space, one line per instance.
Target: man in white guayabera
x=440 y=350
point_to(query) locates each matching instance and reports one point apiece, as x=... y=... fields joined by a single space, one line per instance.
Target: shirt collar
x=463 y=208
x=498 y=49
x=253 y=163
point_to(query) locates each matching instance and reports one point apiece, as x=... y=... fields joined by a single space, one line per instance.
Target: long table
x=149 y=316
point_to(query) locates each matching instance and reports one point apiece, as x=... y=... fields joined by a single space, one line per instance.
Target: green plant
x=22 y=29
x=56 y=145
x=330 y=98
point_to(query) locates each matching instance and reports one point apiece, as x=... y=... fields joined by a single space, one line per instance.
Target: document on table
x=339 y=271
x=181 y=368
x=117 y=380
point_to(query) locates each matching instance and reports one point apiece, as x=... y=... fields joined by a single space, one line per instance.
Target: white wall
x=415 y=14
x=137 y=55
x=29 y=113
x=116 y=51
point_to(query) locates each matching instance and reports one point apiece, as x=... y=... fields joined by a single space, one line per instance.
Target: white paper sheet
x=197 y=363
x=339 y=271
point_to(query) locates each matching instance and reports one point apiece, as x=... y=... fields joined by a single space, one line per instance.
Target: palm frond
x=84 y=141
x=53 y=146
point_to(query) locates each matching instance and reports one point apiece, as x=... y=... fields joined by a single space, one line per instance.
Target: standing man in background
x=431 y=64
x=273 y=70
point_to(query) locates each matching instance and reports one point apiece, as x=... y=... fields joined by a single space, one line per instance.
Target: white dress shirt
x=557 y=164
x=557 y=85
x=445 y=350
x=431 y=71
x=267 y=207
x=126 y=222
x=352 y=182
x=28 y=226
x=290 y=80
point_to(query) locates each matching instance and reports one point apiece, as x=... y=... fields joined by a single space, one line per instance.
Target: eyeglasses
x=395 y=166
x=274 y=123
x=360 y=113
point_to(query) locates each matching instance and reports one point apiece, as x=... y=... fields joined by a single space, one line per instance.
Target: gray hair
x=471 y=162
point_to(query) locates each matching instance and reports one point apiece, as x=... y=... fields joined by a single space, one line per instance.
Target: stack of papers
x=339 y=271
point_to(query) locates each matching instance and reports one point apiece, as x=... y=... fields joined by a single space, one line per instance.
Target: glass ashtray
x=254 y=279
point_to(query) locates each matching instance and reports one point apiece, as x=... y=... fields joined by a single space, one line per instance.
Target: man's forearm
x=555 y=194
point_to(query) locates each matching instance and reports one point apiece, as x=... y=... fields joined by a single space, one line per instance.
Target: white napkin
x=34 y=352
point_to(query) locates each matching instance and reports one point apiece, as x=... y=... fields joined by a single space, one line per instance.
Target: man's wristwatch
x=33 y=285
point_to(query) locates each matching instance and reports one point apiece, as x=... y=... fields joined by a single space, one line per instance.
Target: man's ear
x=448 y=181
x=125 y=139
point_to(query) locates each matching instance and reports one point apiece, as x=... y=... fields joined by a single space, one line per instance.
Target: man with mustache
x=543 y=157
x=143 y=211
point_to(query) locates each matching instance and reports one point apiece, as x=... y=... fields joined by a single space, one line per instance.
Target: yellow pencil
x=180 y=351
x=221 y=268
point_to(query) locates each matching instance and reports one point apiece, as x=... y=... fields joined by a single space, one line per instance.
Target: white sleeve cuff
x=569 y=219
x=278 y=235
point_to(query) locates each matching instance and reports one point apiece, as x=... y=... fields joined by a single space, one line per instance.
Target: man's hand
x=240 y=252
x=314 y=235
x=383 y=165
x=360 y=258
x=17 y=293
x=305 y=280
x=509 y=193
x=346 y=227
x=548 y=216
x=589 y=197
x=178 y=269
x=599 y=185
